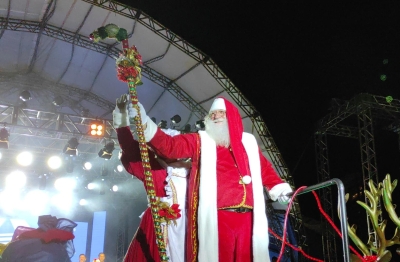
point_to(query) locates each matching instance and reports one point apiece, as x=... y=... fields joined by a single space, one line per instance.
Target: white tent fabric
x=45 y=48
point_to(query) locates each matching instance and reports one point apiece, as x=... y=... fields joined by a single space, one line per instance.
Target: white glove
x=120 y=116
x=133 y=113
x=283 y=199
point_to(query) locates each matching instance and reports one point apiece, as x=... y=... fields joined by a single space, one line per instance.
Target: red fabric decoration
x=52 y=234
x=235 y=133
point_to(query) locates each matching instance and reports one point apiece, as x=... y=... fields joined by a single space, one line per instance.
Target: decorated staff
x=129 y=71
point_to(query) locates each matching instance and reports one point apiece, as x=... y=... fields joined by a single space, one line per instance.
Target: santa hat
x=235 y=125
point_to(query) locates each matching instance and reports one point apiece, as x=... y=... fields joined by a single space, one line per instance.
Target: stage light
x=176 y=119
x=25 y=95
x=162 y=124
x=200 y=124
x=4 y=138
x=58 y=101
x=54 y=162
x=106 y=152
x=25 y=158
x=114 y=188
x=91 y=186
x=83 y=202
x=71 y=148
x=120 y=168
x=97 y=128
x=15 y=180
x=87 y=165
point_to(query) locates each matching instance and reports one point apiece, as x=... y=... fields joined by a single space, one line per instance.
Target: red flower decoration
x=169 y=213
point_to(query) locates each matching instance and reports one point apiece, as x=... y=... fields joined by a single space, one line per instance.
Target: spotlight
x=97 y=128
x=91 y=186
x=120 y=168
x=54 y=162
x=106 y=152
x=175 y=119
x=4 y=138
x=83 y=202
x=114 y=188
x=71 y=147
x=162 y=124
x=25 y=158
x=87 y=166
x=200 y=124
x=58 y=101
x=25 y=95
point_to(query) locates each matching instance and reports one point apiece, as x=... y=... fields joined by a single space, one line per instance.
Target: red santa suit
x=222 y=179
x=170 y=187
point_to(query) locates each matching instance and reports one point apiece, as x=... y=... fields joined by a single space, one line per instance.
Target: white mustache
x=218 y=120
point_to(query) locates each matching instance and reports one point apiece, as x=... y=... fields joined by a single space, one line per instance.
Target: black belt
x=239 y=209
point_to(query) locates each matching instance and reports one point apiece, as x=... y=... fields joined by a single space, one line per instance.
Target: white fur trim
x=171 y=132
x=260 y=222
x=120 y=119
x=207 y=212
x=218 y=104
x=150 y=130
x=279 y=189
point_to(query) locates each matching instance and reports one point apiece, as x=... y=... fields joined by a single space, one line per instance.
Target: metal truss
x=50 y=125
x=328 y=237
x=121 y=239
x=365 y=111
x=109 y=50
x=369 y=165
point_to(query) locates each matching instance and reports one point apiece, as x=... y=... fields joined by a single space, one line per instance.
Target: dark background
x=290 y=59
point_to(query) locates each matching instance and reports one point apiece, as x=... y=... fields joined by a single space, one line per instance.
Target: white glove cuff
x=150 y=130
x=120 y=119
x=279 y=189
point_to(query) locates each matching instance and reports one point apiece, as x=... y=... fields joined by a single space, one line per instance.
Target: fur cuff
x=150 y=130
x=120 y=119
x=279 y=189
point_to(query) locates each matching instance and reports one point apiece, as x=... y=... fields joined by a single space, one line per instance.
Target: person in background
x=226 y=203
x=101 y=257
x=82 y=258
x=170 y=183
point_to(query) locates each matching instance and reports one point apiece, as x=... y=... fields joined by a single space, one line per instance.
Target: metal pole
x=342 y=208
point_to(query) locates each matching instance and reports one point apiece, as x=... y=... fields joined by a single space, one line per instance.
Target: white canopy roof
x=46 y=50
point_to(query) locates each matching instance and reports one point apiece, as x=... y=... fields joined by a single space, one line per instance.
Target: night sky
x=290 y=59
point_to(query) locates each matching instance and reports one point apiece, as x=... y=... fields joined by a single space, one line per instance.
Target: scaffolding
x=356 y=118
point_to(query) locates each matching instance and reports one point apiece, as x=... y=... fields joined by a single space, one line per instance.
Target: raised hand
x=120 y=116
x=122 y=103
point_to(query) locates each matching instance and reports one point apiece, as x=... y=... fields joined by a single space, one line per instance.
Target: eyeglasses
x=217 y=113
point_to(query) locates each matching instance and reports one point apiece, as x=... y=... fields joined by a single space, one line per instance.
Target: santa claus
x=226 y=206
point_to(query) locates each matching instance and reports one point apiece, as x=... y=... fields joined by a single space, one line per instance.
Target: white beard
x=219 y=132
